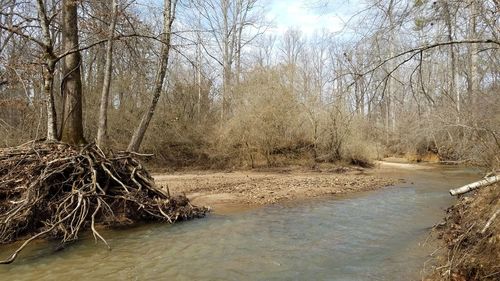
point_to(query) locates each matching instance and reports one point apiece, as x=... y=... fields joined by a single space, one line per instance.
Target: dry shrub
x=358 y=149
x=271 y=122
x=272 y=126
x=19 y=122
x=264 y=126
x=336 y=128
x=408 y=135
x=360 y=153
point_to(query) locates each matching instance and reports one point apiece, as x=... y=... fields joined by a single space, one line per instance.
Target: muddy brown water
x=377 y=235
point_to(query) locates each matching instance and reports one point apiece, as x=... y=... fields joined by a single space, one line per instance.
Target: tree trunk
x=102 y=131
x=198 y=68
x=48 y=82
x=226 y=71
x=391 y=91
x=48 y=77
x=198 y=76
x=473 y=79
x=454 y=90
x=72 y=121
x=474 y=185
x=168 y=19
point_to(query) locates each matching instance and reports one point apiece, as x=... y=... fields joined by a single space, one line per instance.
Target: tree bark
x=391 y=91
x=473 y=79
x=198 y=71
x=226 y=59
x=102 y=130
x=453 y=60
x=168 y=19
x=48 y=82
x=49 y=69
x=474 y=185
x=72 y=120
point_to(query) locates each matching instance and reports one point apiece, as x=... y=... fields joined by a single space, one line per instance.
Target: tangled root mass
x=56 y=191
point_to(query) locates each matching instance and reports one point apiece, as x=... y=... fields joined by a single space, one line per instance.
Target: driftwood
x=57 y=191
x=469 y=187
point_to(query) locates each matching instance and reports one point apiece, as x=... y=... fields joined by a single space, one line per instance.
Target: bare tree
x=227 y=21
x=50 y=64
x=48 y=56
x=103 y=112
x=454 y=87
x=292 y=48
x=168 y=20
x=399 y=80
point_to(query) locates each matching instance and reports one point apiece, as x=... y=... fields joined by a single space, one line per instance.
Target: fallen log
x=57 y=191
x=471 y=186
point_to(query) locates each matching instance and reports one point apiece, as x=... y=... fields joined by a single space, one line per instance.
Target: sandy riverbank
x=226 y=192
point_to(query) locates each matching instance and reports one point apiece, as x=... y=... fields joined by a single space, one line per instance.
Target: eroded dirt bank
x=241 y=189
x=471 y=237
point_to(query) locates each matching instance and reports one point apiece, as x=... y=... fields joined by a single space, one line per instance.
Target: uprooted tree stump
x=56 y=191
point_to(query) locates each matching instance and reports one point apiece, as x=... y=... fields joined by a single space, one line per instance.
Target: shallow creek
x=377 y=235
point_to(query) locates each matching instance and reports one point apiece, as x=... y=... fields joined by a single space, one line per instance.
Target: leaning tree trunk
x=72 y=121
x=102 y=131
x=168 y=19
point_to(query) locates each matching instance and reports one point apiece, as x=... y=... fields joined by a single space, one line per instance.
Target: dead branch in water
x=57 y=191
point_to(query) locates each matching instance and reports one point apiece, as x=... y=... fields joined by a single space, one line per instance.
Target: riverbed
x=373 y=235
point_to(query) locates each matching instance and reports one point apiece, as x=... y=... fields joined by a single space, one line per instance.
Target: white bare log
x=488 y=223
x=474 y=185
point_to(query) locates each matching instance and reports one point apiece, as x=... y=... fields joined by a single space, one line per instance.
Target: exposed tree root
x=57 y=191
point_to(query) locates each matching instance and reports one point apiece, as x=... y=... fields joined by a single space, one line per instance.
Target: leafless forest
x=209 y=84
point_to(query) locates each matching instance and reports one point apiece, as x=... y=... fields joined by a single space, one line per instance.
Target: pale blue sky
x=312 y=15
x=306 y=15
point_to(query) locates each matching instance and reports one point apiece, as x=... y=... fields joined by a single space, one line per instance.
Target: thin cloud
x=299 y=14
